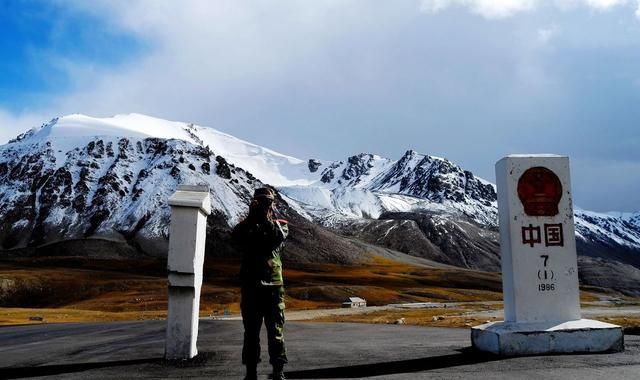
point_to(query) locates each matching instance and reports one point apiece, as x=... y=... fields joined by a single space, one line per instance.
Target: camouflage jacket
x=261 y=243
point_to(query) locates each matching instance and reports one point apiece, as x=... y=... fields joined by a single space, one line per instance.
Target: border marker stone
x=539 y=266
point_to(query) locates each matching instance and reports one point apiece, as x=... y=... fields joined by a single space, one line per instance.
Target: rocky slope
x=82 y=178
x=366 y=185
x=57 y=187
x=455 y=241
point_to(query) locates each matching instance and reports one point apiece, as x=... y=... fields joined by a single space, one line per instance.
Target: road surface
x=134 y=350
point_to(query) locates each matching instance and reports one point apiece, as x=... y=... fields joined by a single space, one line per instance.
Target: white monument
x=190 y=206
x=539 y=266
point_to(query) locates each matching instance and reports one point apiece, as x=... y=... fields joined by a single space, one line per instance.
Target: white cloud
x=326 y=79
x=605 y=4
x=11 y=125
x=499 y=9
x=205 y=55
x=545 y=35
x=492 y=9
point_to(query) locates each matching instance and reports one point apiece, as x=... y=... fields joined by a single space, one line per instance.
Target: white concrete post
x=190 y=206
x=539 y=262
x=539 y=265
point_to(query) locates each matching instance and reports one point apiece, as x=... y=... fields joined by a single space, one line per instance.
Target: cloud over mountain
x=498 y=9
x=324 y=78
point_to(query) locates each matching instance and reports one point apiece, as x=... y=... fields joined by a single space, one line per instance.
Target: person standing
x=261 y=238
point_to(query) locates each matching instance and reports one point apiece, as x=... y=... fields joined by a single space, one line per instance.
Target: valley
x=79 y=289
x=84 y=225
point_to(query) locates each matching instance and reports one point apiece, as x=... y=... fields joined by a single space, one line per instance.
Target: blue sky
x=36 y=36
x=470 y=80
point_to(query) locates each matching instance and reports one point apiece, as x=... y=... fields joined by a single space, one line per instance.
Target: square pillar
x=190 y=206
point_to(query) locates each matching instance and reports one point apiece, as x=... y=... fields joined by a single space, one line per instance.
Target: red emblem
x=540 y=190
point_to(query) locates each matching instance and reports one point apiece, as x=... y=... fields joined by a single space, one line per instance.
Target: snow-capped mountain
x=366 y=185
x=607 y=228
x=79 y=177
x=100 y=176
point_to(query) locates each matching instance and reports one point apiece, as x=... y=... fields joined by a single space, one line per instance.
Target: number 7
x=545 y=258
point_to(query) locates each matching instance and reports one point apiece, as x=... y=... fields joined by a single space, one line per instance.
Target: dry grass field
x=458 y=316
x=66 y=289
x=72 y=289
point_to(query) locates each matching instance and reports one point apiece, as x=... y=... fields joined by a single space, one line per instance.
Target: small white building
x=354 y=302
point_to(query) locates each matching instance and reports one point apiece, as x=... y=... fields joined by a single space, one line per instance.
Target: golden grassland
x=72 y=289
x=459 y=316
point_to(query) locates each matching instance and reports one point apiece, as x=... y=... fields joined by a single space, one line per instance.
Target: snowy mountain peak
x=65 y=133
x=357 y=171
x=78 y=176
x=366 y=185
x=130 y=125
x=100 y=175
x=410 y=153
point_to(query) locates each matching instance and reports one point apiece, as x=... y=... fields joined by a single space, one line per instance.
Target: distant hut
x=354 y=302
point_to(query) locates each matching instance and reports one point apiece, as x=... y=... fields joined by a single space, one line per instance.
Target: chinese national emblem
x=540 y=190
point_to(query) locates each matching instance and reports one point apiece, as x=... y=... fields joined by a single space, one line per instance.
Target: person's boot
x=278 y=372
x=252 y=372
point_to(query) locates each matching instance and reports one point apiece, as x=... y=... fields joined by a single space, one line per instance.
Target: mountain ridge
x=81 y=177
x=410 y=180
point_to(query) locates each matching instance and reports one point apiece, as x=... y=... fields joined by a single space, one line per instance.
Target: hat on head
x=264 y=192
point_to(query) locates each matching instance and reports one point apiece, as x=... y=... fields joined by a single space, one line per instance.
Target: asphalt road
x=133 y=350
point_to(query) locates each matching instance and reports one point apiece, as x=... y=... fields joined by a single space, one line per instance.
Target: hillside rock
x=437 y=237
x=78 y=178
x=56 y=191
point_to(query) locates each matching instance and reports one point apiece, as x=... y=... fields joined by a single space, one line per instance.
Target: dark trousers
x=263 y=303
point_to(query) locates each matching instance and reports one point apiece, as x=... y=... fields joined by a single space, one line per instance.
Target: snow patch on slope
x=271 y=167
x=311 y=196
x=131 y=125
x=362 y=186
x=607 y=227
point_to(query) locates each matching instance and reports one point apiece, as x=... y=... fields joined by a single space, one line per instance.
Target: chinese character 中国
x=553 y=235
x=531 y=235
